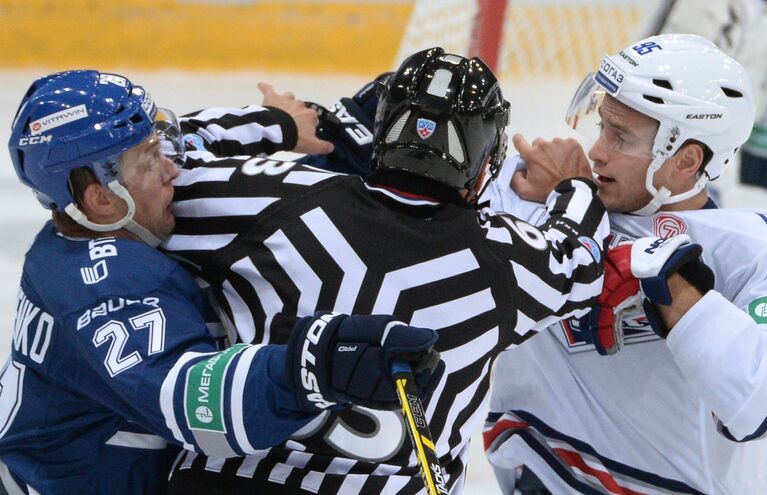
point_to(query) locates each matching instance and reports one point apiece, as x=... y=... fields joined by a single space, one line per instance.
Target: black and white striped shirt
x=277 y=240
x=250 y=130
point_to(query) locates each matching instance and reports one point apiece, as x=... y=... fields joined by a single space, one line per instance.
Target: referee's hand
x=305 y=118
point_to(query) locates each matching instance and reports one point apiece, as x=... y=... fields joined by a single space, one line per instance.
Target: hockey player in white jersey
x=112 y=368
x=679 y=409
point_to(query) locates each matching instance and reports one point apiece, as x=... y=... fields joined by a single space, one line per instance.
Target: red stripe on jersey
x=574 y=459
x=489 y=436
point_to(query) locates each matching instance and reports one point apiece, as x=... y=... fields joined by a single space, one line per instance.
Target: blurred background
x=192 y=54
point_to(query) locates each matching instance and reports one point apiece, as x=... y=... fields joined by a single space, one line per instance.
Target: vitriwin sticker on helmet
x=58 y=119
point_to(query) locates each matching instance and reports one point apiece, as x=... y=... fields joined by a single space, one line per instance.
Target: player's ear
x=98 y=202
x=690 y=159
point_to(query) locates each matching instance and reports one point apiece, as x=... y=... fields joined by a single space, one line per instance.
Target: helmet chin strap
x=663 y=196
x=125 y=222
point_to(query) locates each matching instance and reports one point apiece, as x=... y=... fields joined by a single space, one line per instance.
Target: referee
x=278 y=240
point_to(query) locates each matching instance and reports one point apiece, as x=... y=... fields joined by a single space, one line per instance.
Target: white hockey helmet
x=695 y=92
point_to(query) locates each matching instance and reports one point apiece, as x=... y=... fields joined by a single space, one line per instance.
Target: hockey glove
x=348 y=124
x=603 y=325
x=338 y=359
x=654 y=260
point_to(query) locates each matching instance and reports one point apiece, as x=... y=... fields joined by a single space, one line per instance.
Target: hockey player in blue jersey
x=112 y=367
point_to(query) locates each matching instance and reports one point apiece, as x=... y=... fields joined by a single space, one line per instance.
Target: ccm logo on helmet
x=35 y=140
x=308 y=361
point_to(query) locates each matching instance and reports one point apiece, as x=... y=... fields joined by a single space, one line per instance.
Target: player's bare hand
x=305 y=118
x=547 y=163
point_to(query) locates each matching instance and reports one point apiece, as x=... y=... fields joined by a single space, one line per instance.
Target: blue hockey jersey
x=112 y=368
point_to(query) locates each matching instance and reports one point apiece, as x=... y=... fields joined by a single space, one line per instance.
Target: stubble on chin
x=617 y=202
x=613 y=202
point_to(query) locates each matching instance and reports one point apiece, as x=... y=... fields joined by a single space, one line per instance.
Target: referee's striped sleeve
x=574 y=201
x=251 y=130
x=577 y=229
x=557 y=267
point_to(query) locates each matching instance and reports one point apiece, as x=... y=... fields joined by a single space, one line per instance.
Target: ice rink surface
x=537 y=110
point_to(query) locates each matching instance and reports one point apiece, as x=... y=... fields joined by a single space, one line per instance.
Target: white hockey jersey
x=658 y=416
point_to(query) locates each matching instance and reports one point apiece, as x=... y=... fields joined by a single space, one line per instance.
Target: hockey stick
x=420 y=436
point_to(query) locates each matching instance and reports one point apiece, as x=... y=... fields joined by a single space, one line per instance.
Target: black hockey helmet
x=443 y=117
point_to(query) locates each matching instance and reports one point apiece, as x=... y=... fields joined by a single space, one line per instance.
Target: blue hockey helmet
x=84 y=118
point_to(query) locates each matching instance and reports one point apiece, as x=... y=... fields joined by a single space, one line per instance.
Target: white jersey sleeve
x=720 y=345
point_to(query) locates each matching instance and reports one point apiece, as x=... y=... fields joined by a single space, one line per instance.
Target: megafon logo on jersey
x=425 y=128
x=204 y=415
x=757 y=309
x=58 y=119
x=666 y=225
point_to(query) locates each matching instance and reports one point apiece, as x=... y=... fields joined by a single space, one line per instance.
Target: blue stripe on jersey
x=761 y=431
x=555 y=462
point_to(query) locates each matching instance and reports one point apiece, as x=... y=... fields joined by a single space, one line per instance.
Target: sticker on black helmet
x=425 y=128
